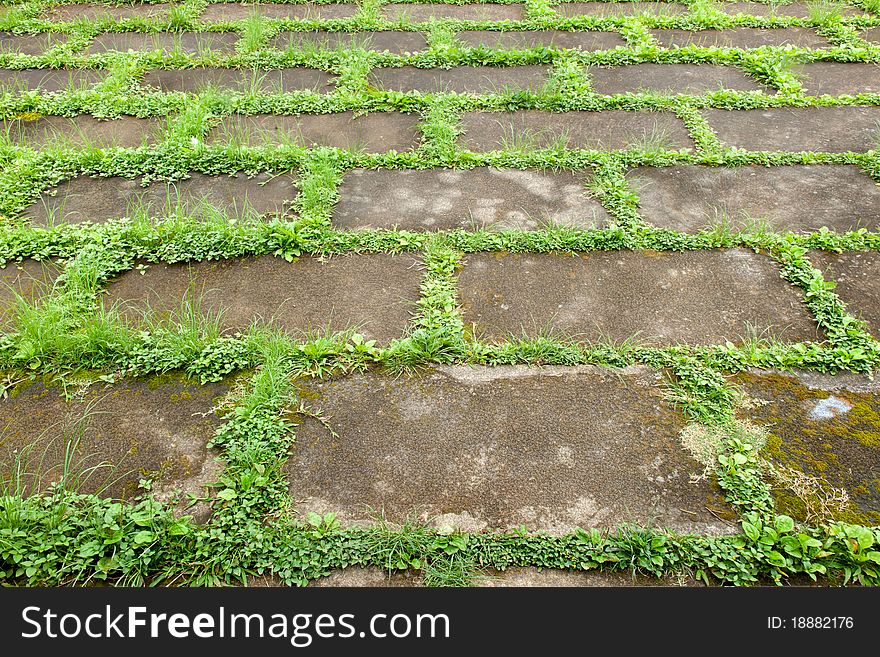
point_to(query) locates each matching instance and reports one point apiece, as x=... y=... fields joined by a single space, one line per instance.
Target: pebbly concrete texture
x=855 y=273
x=444 y=199
x=837 y=78
x=30 y=44
x=562 y=39
x=607 y=130
x=233 y=11
x=461 y=79
x=421 y=13
x=788 y=198
x=479 y=448
x=97 y=11
x=693 y=79
x=117 y=434
x=619 y=8
x=378 y=132
x=695 y=297
x=30 y=279
x=123 y=132
x=48 y=80
x=374 y=293
x=187 y=43
x=396 y=43
x=101 y=199
x=822 y=426
x=828 y=129
x=741 y=37
x=795 y=9
x=195 y=80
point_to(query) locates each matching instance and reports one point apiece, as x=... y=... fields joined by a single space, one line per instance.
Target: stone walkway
x=552 y=212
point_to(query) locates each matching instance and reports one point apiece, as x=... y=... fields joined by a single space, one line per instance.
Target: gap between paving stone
x=479 y=448
x=827 y=129
x=820 y=426
x=741 y=37
x=131 y=430
x=188 y=43
x=690 y=198
x=837 y=78
x=445 y=199
x=232 y=11
x=30 y=44
x=665 y=298
x=374 y=293
x=461 y=79
x=48 y=80
x=421 y=13
x=619 y=8
x=855 y=274
x=30 y=279
x=94 y=12
x=101 y=199
x=581 y=40
x=123 y=132
x=378 y=132
x=397 y=43
x=671 y=79
x=196 y=80
x=607 y=130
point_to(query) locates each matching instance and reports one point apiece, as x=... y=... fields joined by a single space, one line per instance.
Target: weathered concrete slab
x=795 y=9
x=29 y=279
x=123 y=132
x=619 y=8
x=693 y=79
x=741 y=37
x=444 y=199
x=838 y=78
x=187 y=43
x=376 y=133
x=30 y=44
x=828 y=129
x=695 y=297
x=196 y=80
x=562 y=39
x=461 y=79
x=607 y=130
x=233 y=11
x=48 y=80
x=871 y=35
x=493 y=448
x=396 y=43
x=97 y=11
x=362 y=576
x=797 y=198
x=374 y=293
x=821 y=426
x=858 y=286
x=139 y=429
x=101 y=199
x=420 y=13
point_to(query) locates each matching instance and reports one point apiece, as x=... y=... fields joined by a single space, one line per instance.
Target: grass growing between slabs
x=64 y=537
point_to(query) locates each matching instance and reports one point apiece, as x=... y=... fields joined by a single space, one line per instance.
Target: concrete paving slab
x=97 y=11
x=123 y=132
x=695 y=297
x=284 y=80
x=30 y=44
x=233 y=11
x=461 y=79
x=619 y=8
x=795 y=9
x=30 y=279
x=607 y=130
x=444 y=199
x=375 y=293
x=390 y=41
x=378 y=132
x=837 y=78
x=495 y=448
x=101 y=199
x=695 y=79
x=421 y=13
x=561 y=39
x=871 y=35
x=825 y=129
x=741 y=37
x=788 y=198
x=187 y=43
x=855 y=273
x=821 y=426
x=48 y=80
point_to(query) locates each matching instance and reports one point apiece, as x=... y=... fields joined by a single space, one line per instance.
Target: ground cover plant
x=313 y=97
